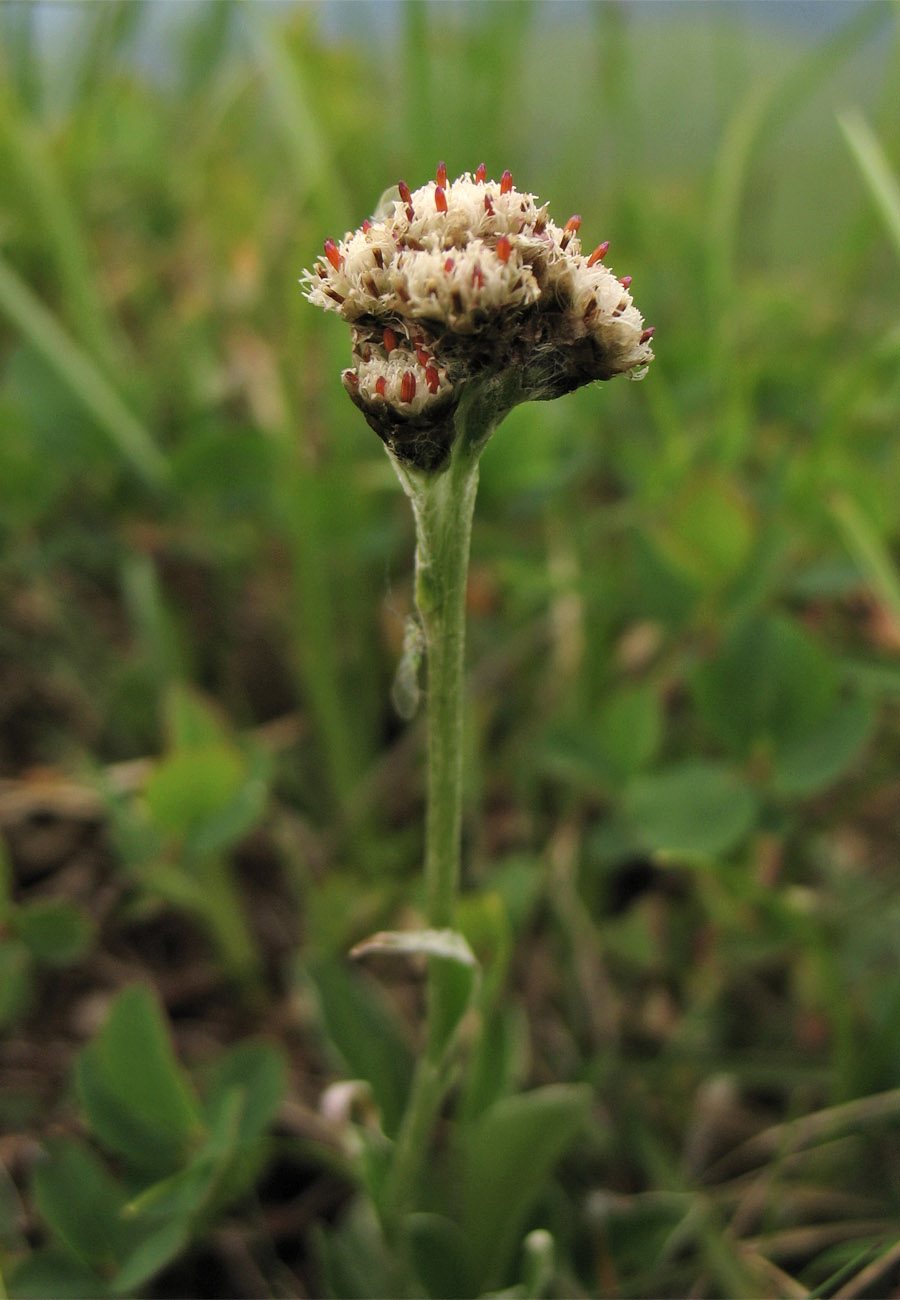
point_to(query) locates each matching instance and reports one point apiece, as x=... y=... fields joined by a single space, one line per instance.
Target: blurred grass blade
x=57 y=219
x=872 y=161
x=869 y=552
x=419 y=115
x=814 y=69
x=76 y=368
x=313 y=165
x=18 y=53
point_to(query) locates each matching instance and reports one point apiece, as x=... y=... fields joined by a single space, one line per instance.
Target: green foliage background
x=682 y=793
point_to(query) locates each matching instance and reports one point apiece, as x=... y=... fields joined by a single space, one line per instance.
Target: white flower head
x=470 y=282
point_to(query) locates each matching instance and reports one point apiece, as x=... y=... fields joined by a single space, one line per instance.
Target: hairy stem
x=443 y=505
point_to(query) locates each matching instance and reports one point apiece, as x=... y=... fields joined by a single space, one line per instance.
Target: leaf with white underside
x=447 y=944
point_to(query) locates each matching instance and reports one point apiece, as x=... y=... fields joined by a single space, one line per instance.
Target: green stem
x=443 y=505
x=444 y=528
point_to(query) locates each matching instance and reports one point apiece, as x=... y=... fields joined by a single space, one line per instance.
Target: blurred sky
x=55 y=19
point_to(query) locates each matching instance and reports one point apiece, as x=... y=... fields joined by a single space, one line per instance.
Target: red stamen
x=432 y=379
x=625 y=281
x=504 y=248
x=569 y=229
x=599 y=253
x=407 y=386
x=449 y=264
x=506 y=183
x=647 y=334
x=478 y=277
x=351 y=378
x=442 y=175
x=366 y=225
x=480 y=174
x=331 y=252
x=390 y=339
x=488 y=205
x=422 y=356
x=440 y=199
x=404 y=191
x=380 y=385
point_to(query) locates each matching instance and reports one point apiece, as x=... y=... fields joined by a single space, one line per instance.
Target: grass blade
x=872 y=161
x=79 y=372
x=869 y=553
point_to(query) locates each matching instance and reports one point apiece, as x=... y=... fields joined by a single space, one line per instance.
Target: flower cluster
x=464 y=282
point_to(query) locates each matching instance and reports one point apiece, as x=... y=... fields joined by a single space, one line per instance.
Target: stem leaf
x=446 y=944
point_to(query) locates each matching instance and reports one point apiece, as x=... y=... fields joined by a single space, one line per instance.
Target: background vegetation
x=682 y=786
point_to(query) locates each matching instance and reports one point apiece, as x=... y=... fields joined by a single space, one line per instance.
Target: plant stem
x=443 y=505
x=444 y=527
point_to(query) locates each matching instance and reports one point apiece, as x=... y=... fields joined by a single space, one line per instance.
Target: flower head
x=465 y=283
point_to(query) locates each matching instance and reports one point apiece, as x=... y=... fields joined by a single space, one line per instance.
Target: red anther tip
x=449 y=264
x=407 y=386
x=504 y=248
x=390 y=339
x=647 y=334
x=506 y=183
x=599 y=253
x=573 y=224
x=625 y=281
x=441 y=176
x=404 y=191
x=432 y=379
x=480 y=174
x=422 y=356
x=440 y=199
x=352 y=378
x=488 y=205
x=331 y=252
x=366 y=225
x=380 y=385
x=478 y=277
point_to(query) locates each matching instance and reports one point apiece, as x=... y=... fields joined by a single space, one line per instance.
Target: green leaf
x=630 y=729
x=183 y=1194
x=769 y=683
x=356 y=1020
x=498 y=1061
x=226 y=827
x=694 y=808
x=709 y=531
x=192 y=721
x=192 y=786
x=822 y=755
x=137 y=1099
x=151 y=1254
x=507 y=1156
x=53 y=1272
x=56 y=931
x=354 y=1259
x=259 y=1071
x=437 y=1249
x=82 y=1205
